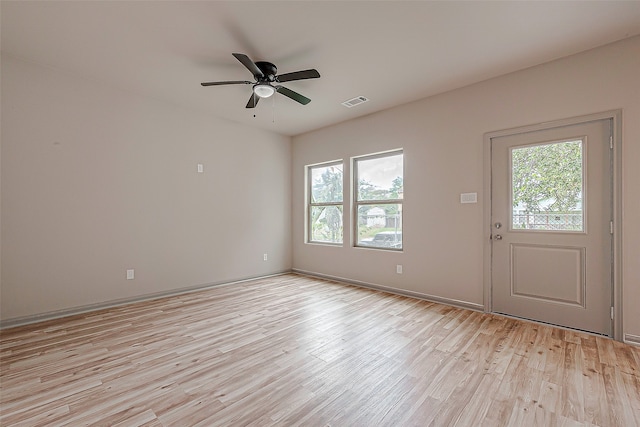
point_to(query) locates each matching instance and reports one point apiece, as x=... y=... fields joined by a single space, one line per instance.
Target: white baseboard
x=41 y=317
x=396 y=291
x=632 y=339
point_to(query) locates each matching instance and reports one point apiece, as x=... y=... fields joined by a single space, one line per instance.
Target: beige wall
x=442 y=137
x=96 y=181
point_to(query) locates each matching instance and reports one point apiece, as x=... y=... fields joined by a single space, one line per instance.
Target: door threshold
x=539 y=322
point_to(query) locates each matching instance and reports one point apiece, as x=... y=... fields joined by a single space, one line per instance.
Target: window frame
x=358 y=203
x=310 y=204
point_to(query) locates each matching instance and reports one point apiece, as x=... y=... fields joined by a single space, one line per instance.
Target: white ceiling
x=391 y=52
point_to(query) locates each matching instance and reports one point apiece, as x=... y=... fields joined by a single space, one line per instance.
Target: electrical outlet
x=265 y=257
x=200 y=168
x=130 y=274
x=399 y=268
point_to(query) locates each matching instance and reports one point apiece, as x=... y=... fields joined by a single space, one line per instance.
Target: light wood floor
x=293 y=350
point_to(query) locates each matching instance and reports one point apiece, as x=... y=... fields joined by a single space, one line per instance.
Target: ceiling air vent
x=355 y=101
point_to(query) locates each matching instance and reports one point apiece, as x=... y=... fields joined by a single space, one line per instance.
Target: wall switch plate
x=399 y=268
x=265 y=257
x=469 y=198
x=200 y=168
x=130 y=274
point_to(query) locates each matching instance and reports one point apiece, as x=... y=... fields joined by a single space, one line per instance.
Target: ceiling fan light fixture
x=264 y=90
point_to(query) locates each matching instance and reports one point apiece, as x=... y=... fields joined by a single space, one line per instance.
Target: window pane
x=326 y=184
x=380 y=178
x=326 y=224
x=380 y=226
x=547 y=187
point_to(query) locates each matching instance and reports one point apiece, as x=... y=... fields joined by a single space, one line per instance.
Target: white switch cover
x=200 y=168
x=399 y=268
x=265 y=257
x=130 y=274
x=469 y=198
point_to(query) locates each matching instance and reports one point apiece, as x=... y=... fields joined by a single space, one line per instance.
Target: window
x=378 y=189
x=324 y=220
x=547 y=187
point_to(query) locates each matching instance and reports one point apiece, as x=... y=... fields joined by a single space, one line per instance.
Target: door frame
x=616 y=117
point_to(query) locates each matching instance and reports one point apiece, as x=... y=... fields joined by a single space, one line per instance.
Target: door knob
x=497 y=237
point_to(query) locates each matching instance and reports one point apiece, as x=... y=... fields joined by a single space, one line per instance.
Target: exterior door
x=551 y=226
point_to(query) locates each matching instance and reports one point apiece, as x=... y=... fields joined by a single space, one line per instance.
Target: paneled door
x=552 y=225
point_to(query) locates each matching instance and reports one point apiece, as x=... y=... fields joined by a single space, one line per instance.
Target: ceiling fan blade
x=293 y=95
x=253 y=101
x=232 y=82
x=298 y=75
x=251 y=66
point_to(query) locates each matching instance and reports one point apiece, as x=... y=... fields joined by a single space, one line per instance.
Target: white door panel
x=551 y=213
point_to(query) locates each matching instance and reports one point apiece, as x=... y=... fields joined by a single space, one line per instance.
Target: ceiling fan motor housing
x=268 y=69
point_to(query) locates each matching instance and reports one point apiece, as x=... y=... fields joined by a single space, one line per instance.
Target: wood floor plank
x=295 y=350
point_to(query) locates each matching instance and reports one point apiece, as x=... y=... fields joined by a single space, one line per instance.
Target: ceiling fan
x=266 y=79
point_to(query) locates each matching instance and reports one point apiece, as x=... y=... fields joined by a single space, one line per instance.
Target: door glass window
x=547 y=187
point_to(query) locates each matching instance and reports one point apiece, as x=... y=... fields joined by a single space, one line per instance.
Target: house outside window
x=378 y=194
x=324 y=203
